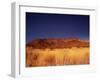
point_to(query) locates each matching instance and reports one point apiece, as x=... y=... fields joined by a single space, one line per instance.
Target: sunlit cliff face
x=57 y=52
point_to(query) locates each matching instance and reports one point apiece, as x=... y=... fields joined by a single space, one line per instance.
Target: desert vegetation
x=57 y=52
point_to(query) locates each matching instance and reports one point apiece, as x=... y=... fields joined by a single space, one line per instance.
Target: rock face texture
x=57 y=43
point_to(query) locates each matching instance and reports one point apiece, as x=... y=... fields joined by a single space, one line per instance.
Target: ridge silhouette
x=54 y=43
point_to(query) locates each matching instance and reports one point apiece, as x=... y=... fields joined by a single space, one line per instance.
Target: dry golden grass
x=54 y=57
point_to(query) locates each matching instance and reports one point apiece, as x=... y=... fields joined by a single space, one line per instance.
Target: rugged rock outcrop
x=57 y=43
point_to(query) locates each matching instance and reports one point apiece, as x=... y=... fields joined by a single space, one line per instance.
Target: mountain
x=57 y=43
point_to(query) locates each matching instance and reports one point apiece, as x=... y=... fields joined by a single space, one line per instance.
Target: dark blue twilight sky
x=46 y=25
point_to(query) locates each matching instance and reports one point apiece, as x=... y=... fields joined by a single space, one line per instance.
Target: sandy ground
x=56 y=57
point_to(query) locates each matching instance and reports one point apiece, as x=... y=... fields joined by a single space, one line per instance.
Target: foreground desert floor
x=57 y=57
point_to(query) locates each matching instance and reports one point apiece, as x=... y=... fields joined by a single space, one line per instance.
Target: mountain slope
x=57 y=43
